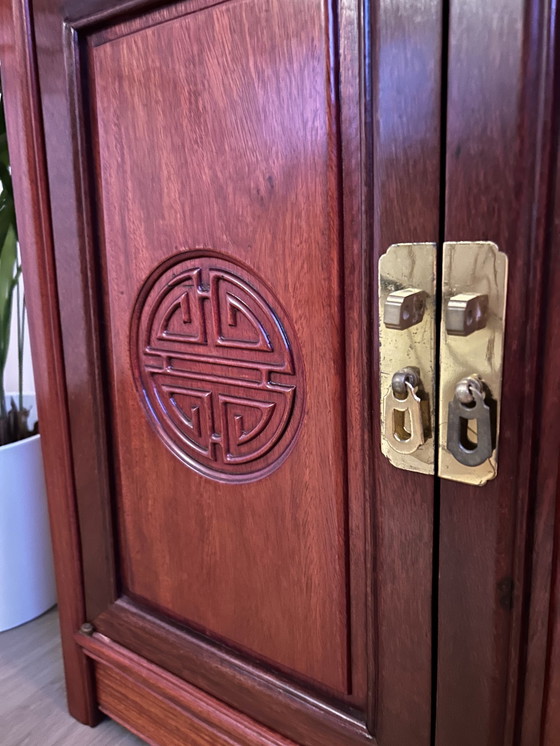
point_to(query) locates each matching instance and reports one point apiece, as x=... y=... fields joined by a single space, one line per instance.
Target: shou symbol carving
x=218 y=367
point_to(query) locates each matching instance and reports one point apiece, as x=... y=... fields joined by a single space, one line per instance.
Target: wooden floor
x=32 y=698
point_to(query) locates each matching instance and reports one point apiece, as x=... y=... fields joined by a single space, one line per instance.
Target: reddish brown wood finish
x=25 y=132
x=406 y=194
x=405 y=140
x=332 y=528
x=498 y=109
x=260 y=693
x=551 y=710
x=248 y=167
x=539 y=693
x=345 y=559
x=161 y=707
x=346 y=555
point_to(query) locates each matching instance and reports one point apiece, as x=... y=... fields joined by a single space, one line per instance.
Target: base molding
x=163 y=709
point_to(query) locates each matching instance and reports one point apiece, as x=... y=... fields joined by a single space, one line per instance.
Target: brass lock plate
x=406 y=285
x=474 y=281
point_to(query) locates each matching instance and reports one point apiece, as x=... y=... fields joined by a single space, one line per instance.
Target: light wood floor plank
x=32 y=697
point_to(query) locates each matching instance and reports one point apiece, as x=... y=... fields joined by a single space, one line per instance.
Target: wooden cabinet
x=204 y=189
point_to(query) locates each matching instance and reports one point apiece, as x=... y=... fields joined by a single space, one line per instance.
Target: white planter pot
x=27 y=586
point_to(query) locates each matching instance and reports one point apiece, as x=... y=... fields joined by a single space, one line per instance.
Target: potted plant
x=26 y=570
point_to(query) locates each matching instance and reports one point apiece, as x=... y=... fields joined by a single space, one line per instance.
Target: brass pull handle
x=470 y=423
x=404 y=420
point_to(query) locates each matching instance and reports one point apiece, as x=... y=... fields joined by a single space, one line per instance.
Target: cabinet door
x=500 y=172
x=223 y=177
x=215 y=170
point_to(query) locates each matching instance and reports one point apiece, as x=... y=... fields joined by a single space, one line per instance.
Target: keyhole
x=401 y=424
x=468 y=433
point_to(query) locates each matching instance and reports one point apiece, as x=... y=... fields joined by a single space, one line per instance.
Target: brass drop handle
x=471 y=432
x=404 y=416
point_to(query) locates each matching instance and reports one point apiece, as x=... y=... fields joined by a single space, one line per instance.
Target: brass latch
x=404 y=308
x=476 y=274
x=407 y=283
x=407 y=421
x=466 y=313
x=471 y=341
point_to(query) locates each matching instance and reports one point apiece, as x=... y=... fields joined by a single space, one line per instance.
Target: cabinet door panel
x=218 y=212
x=498 y=130
x=406 y=193
x=231 y=485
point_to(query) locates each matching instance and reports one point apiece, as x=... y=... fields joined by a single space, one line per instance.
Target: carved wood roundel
x=217 y=365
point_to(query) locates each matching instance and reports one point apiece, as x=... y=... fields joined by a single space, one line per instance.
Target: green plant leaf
x=6 y=179
x=13 y=422
x=6 y=218
x=9 y=276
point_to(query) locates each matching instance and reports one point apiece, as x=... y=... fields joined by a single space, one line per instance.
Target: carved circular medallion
x=217 y=365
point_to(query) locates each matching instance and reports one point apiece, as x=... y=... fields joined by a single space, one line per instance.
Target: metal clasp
x=466 y=313
x=404 y=308
x=470 y=423
x=404 y=416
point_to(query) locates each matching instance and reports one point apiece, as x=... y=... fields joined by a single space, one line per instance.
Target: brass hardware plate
x=407 y=275
x=471 y=271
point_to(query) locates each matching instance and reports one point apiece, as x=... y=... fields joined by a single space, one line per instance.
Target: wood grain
x=307 y=718
x=495 y=157
x=338 y=40
x=245 y=168
x=27 y=156
x=551 y=709
x=406 y=184
x=164 y=709
x=397 y=699
x=537 y=693
x=300 y=139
